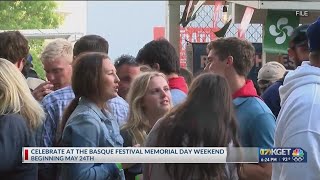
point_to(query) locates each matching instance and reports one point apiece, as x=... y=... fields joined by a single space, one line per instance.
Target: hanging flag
x=216 y=11
x=222 y=32
x=197 y=6
x=245 y=22
x=189 y=12
x=277 y=31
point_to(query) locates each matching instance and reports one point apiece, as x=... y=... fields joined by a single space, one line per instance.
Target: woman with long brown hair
x=205 y=119
x=87 y=121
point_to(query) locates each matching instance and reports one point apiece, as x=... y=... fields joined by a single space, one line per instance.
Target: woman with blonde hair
x=205 y=119
x=20 y=115
x=149 y=99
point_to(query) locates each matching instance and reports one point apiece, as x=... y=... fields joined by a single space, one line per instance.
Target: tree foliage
x=29 y=15
x=18 y=15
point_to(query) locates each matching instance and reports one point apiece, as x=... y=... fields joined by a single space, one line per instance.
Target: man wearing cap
x=270 y=77
x=298 y=45
x=270 y=73
x=298 y=121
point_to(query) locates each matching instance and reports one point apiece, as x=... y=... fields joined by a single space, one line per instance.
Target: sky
x=126 y=25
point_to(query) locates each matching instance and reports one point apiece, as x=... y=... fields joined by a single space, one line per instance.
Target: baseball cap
x=299 y=36
x=271 y=71
x=313 y=34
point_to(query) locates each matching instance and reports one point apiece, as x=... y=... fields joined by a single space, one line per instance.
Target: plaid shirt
x=54 y=105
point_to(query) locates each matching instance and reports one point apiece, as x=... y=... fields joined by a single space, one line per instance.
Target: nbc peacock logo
x=297 y=155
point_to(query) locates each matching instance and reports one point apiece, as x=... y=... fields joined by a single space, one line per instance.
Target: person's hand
x=42 y=90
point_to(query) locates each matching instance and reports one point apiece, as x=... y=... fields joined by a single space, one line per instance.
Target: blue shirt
x=256 y=122
x=90 y=126
x=177 y=96
x=54 y=105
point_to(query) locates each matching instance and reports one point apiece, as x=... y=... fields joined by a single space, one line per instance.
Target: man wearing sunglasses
x=298 y=50
x=298 y=45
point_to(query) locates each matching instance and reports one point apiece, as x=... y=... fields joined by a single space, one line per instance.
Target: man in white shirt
x=298 y=122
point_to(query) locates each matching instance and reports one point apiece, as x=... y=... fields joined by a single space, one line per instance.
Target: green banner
x=277 y=31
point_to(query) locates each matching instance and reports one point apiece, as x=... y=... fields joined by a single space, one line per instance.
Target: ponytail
x=67 y=113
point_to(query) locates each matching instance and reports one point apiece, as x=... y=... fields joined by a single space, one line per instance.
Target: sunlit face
x=110 y=81
x=58 y=72
x=157 y=99
x=215 y=64
x=126 y=74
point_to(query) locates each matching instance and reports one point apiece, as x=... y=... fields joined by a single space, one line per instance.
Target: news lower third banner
x=161 y=155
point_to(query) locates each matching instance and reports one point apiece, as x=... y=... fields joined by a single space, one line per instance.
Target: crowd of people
x=87 y=100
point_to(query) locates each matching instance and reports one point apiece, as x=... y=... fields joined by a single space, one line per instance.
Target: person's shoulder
x=118 y=100
x=13 y=123
x=177 y=92
x=258 y=105
x=272 y=91
x=177 y=96
x=65 y=93
x=253 y=107
x=83 y=116
x=11 y=118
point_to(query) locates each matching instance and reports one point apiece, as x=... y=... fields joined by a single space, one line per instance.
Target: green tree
x=17 y=15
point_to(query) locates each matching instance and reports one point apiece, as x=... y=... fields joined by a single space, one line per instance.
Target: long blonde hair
x=138 y=125
x=15 y=96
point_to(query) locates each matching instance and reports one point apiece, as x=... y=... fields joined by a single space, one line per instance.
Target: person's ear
x=229 y=61
x=156 y=66
x=20 y=64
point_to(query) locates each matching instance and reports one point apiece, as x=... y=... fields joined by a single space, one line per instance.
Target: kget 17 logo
x=284 y=154
x=275 y=151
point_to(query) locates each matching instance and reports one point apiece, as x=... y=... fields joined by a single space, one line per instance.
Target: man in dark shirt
x=299 y=52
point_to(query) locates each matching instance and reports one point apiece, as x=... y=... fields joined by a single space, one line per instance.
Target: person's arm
x=261 y=171
x=85 y=132
x=14 y=135
x=262 y=135
x=45 y=135
x=310 y=142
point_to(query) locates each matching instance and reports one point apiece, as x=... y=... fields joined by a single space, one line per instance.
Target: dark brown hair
x=86 y=79
x=90 y=43
x=160 y=51
x=13 y=46
x=242 y=51
x=205 y=119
